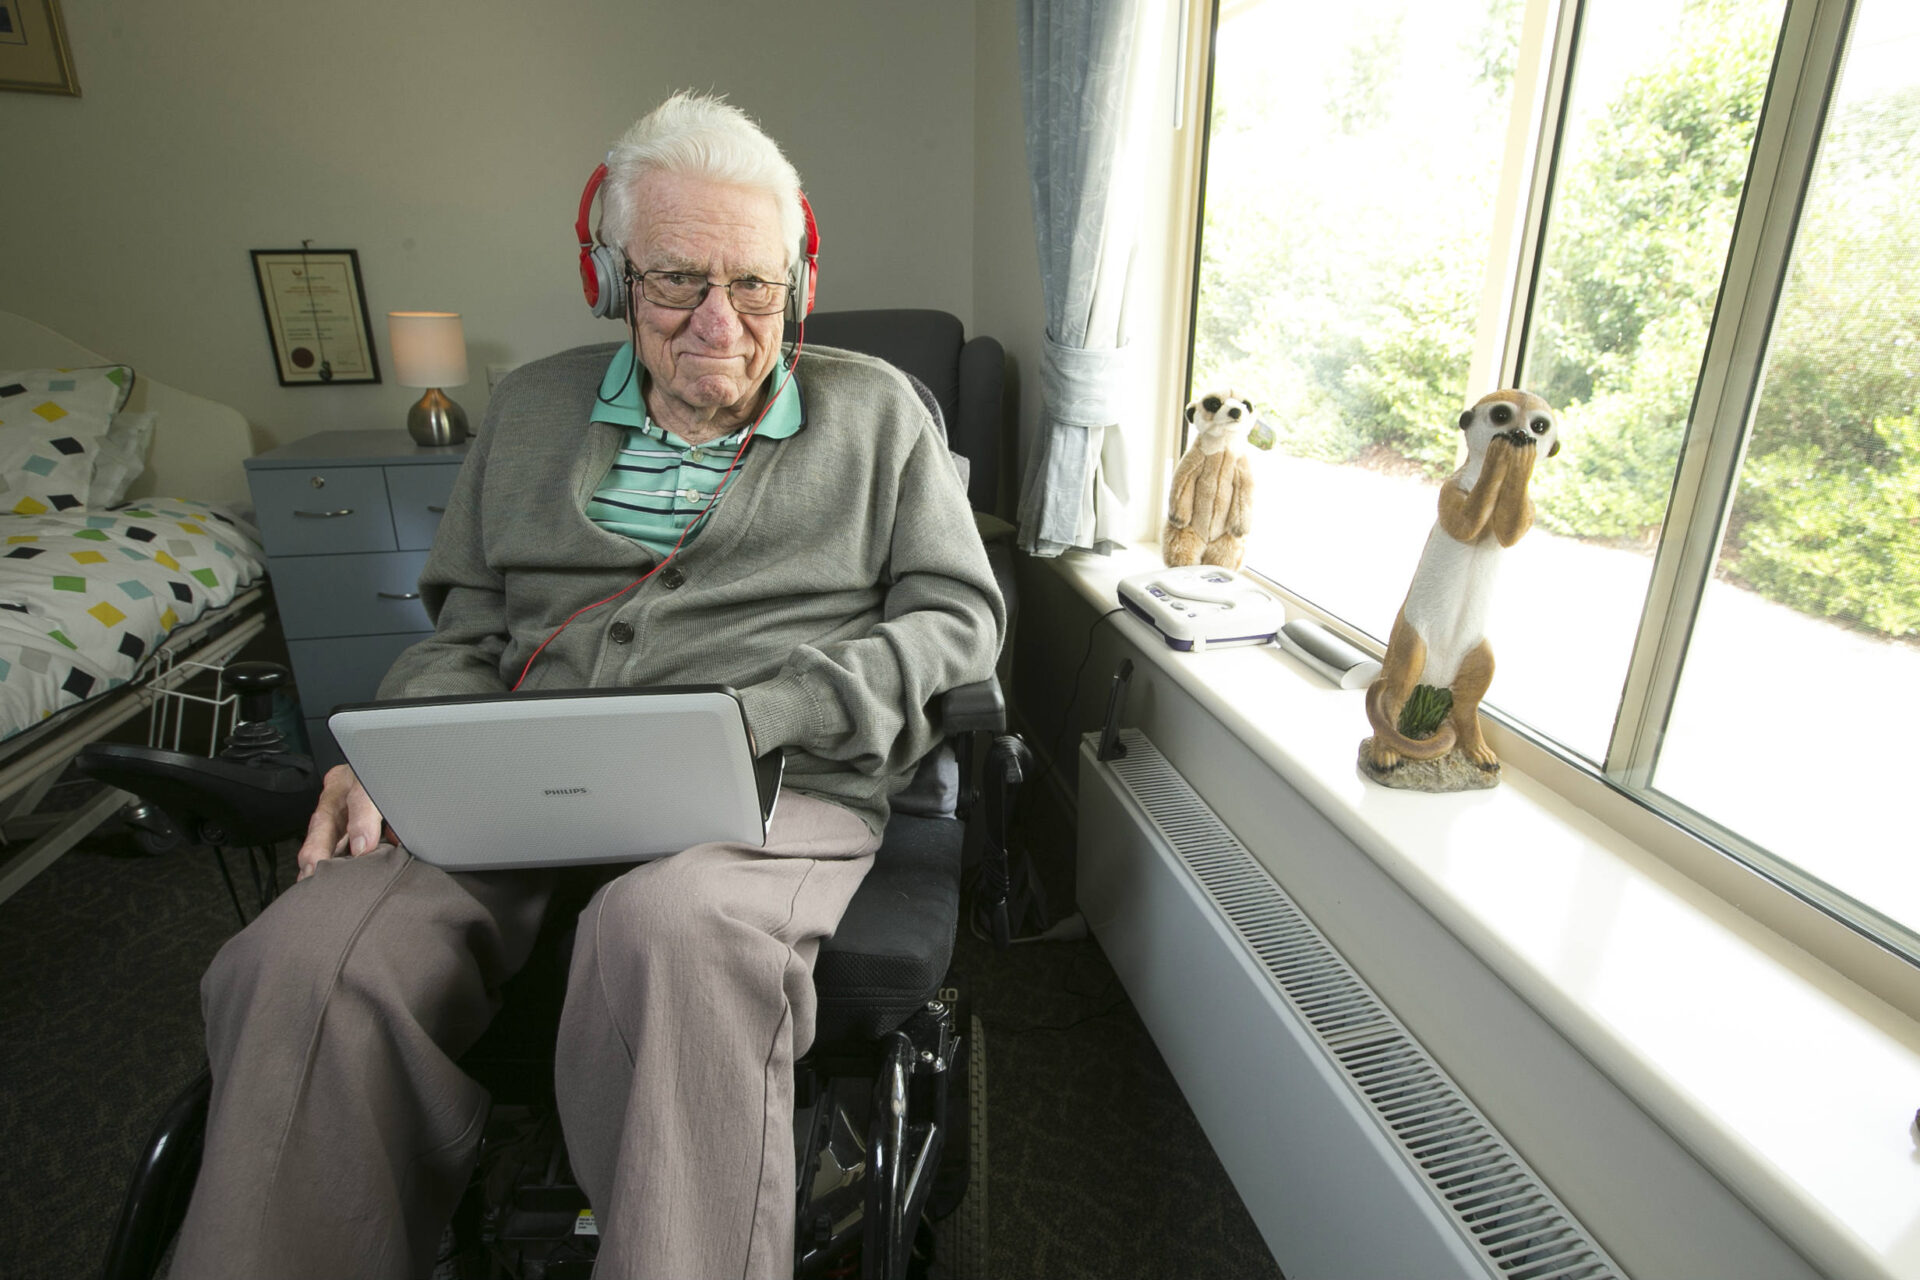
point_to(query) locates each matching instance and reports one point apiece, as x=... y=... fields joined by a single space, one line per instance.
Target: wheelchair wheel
x=154 y=833
x=156 y=1202
x=960 y=1239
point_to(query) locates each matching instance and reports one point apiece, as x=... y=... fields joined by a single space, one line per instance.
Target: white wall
x=448 y=143
x=1007 y=300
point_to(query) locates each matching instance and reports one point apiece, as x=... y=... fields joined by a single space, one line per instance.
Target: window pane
x=1351 y=172
x=1661 y=117
x=1349 y=216
x=1806 y=653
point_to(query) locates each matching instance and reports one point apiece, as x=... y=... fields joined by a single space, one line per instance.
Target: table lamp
x=429 y=350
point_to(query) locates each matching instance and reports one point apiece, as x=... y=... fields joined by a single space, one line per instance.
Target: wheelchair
x=877 y=1103
x=879 y=1098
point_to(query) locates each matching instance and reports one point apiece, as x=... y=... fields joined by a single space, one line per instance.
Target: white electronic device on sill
x=1196 y=607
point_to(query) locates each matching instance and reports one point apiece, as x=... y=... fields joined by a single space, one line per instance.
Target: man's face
x=707 y=364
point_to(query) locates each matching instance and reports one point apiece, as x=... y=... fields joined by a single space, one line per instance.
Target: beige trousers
x=342 y=1131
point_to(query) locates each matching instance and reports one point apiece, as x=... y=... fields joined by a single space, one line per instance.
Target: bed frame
x=197 y=452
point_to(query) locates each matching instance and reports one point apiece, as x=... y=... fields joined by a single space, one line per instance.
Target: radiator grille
x=1520 y=1229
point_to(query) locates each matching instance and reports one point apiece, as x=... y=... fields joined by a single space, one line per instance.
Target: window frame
x=1809 y=59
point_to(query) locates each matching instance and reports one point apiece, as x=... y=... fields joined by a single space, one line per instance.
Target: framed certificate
x=316 y=316
x=33 y=48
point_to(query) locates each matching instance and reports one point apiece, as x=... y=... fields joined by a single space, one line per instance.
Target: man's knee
x=344 y=933
x=652 y=908
x=666 y=918
x=284 y=945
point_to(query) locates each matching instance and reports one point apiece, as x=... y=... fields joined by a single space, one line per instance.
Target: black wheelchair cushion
x=888 y=958
x=895 y=942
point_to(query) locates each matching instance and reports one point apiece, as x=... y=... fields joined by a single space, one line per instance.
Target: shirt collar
x=619 y=401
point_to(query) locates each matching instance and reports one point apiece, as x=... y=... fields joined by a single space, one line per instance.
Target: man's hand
x=345 y=822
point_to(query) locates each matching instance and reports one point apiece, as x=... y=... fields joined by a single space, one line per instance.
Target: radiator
x=1355 y=1154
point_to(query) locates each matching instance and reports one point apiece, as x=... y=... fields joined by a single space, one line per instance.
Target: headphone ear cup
x=600 y=276
x=800 y=301
x=806 y=271
x=608 y=299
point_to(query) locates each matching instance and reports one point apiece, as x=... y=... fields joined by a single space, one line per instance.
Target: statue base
x=1450 y=772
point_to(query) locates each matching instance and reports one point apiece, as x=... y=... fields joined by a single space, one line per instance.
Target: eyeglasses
x=684 y=291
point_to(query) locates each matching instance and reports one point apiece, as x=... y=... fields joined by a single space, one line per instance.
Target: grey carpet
x=1099 y=1170
x=1097 y=1167
x=100 y=1027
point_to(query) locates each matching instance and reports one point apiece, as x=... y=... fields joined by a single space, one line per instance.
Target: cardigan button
x=620 y=632
x=671 y=578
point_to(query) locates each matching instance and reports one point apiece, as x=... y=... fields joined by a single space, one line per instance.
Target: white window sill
x=1796 y=1087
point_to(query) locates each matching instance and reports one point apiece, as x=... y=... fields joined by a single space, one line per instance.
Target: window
x=1690 y=225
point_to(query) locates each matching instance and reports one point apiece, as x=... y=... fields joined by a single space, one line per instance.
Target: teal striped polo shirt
x=659 y=484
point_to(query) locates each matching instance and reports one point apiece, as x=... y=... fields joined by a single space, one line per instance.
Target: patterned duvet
x=86 y=595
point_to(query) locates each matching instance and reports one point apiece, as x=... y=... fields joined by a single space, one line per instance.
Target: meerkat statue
x=1438 y=646
x=1212 y=495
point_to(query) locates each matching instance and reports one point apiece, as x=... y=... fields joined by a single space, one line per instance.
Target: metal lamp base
x=436 y=420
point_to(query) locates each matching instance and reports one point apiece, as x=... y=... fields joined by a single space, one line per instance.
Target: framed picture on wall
x=33 y=48
x=316 y=316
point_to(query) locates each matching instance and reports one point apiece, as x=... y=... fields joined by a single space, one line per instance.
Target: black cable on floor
x=1112 y=1006
x=259 y=881
x=220 y=860
x=1073 y=698
x=1028 y=896
x=1011 y=1029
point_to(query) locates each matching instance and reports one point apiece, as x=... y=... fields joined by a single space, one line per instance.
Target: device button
x=620 y=633
x=671 y=578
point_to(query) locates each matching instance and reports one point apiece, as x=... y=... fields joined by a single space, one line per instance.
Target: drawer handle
x=438 y=511
x=324 y=515
x=398 y=595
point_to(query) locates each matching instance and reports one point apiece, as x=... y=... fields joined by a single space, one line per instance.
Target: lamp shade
x=429 y=348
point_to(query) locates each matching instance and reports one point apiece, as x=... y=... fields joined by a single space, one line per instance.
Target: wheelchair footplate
x=873 y=1164
x=524 y=1216
x=870 y=1145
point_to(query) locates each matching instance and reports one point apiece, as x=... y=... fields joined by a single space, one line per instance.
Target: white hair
x=704 y=137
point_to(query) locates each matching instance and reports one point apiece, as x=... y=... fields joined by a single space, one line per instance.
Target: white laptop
x=555 y=779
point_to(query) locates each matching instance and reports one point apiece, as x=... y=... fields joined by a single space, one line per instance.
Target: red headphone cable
x=726 y=482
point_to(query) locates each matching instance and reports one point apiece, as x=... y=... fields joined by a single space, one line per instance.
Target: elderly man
x=833 y=577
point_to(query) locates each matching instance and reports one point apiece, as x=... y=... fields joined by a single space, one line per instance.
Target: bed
x=127 y=566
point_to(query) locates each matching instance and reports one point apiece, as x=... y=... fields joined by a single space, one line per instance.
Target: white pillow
x=52 y=422
x=120 y=458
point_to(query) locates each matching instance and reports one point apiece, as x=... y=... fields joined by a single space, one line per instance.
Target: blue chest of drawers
x=347 y=518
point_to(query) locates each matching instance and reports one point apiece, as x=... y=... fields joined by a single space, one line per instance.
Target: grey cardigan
x=839 y=585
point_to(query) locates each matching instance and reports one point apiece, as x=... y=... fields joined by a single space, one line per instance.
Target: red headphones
x=601 y=277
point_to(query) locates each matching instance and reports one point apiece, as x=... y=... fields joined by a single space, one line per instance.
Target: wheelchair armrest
x=216 y=800
x=973 y=708
x=993 y=781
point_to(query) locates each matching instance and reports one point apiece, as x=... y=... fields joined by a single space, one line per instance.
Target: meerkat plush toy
x=1425 y=704
x=1212 y=496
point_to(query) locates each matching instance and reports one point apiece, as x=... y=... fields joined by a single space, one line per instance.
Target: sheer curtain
x=1076 y=62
